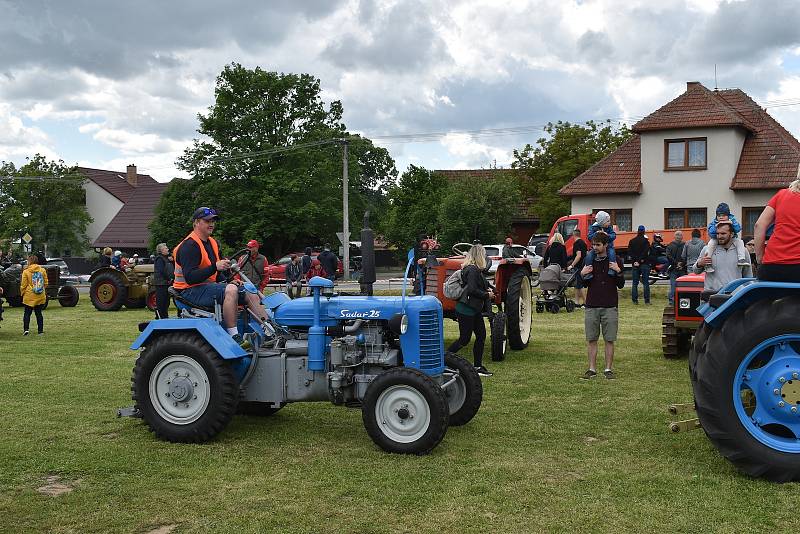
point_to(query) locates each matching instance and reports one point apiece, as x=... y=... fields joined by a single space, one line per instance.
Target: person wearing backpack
x=474 y=299
x=32 y=288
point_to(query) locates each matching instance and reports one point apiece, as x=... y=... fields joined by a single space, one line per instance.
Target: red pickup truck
x=567 y=224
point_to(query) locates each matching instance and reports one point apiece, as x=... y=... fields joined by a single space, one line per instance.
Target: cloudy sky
x=105 y=84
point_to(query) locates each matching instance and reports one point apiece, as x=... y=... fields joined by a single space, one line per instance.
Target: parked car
x=538 y=242
x=495 y=253
x=277 y=270
x=62 y=265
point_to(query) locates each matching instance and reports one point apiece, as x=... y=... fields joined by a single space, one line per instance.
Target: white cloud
x=18 y=141
x=469 y=153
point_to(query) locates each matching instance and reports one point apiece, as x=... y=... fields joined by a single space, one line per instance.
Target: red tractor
x=681 y=320
x=511 y=321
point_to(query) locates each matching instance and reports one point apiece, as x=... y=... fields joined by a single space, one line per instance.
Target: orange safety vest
x=205 y=261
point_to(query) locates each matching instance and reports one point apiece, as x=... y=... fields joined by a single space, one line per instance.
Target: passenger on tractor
x=724 y=261
x=508 y=250
x=198 y=273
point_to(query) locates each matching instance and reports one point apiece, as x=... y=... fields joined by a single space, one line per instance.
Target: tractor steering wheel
x=461 y=249
x=235 y=258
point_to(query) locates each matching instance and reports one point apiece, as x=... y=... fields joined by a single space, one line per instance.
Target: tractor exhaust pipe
x=367 y=258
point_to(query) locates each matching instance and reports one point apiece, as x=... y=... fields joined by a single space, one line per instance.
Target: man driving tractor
x=198 y=268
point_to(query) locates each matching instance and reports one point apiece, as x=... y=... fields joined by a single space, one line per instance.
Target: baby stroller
x=553 y=285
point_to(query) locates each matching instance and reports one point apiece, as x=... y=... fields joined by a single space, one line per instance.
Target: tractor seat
x=715 y=301
x=184 y=303
x=706 y=294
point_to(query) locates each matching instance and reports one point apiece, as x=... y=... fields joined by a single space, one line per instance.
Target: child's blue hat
x=723 y=209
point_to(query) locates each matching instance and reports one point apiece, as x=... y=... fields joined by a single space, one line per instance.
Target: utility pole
x=345 y=215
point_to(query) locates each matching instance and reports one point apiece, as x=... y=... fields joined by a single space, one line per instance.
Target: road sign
x=27 y=247
x=342 y=237
x=27 y=237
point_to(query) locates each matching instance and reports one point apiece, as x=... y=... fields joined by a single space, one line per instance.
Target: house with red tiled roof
x=121 y=205
x=702 y=148
x=524 y=222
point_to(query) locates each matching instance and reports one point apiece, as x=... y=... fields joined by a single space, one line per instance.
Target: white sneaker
x=26 y=333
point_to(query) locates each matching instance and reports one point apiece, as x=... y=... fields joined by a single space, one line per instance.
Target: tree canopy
x=554 y=161
x=271 y=162
x=414 y=206
x=51 y=209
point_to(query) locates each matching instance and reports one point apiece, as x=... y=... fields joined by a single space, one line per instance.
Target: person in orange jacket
x=32 y=288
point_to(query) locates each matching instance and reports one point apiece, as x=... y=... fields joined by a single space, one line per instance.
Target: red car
x=277 y=270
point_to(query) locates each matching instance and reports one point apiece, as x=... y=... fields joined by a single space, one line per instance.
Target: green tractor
x=11 y=277
x=112 y=288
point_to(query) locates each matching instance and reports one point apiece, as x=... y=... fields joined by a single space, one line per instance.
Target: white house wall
x=682 y=189
x=102 y=207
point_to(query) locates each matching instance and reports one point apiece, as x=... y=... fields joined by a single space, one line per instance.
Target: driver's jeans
x=643 y=272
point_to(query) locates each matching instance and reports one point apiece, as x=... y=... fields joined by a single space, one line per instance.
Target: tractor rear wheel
x=68 y=296
x=675 y=342
x=518 y=309
x=108 y=292
x=498 y=341
x=465 y=395
x=151 y=300
x=405 y=411
x=745 y=377
x=185 y=392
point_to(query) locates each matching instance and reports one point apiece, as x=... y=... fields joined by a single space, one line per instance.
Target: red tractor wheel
x=151 y=300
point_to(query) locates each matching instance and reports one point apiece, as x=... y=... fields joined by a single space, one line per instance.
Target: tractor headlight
x=684 y=304
x=399 y=323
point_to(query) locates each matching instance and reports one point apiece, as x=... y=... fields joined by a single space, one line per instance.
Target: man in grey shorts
x=602 y=299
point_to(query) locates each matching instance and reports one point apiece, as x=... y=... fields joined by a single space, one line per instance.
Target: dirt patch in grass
x=54 y=487
x=162 y=529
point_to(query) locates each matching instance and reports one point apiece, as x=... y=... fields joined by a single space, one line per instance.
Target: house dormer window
x=685 y=154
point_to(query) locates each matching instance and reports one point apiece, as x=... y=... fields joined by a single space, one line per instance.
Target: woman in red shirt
x=780 y=262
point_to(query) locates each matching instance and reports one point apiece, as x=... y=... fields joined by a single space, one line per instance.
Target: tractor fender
x=743 y=293
x=208 y=329
x=116 y=272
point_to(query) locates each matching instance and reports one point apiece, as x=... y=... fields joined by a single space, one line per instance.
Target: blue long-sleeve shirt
x=712 y=226
x=612 y=235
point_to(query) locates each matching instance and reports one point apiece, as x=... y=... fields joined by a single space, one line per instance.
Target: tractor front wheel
x=68 y=296
x=746 y=382
x=405 y=411
x=498 y=341
x=108 y=292
x=185 y=392
x=518 y=309
x=465 y=394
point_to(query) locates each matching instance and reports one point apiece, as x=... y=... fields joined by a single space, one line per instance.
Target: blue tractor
x=745 y=372
x=382 y=354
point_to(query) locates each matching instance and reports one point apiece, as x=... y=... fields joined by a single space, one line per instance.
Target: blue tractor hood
x=333 y=310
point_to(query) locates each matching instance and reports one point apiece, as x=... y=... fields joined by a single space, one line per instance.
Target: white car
x=495 y=253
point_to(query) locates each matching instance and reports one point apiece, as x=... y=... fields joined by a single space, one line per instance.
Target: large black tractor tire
x=675 y=342
x=135 y=304
x=465 y=395
x=405 y=411
x=715 y=358
x=108 y=292
x=498 y=341
x=257 y=409
x=518 y=309
x=68 y=296
x=196 y=404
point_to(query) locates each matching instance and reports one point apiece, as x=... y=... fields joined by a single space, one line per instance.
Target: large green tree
x=567 y=151
x=414 y=206
x=45 y=199
x=271 y=161
x=471 y=205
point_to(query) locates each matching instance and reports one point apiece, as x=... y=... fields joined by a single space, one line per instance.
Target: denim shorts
x=595 y=319
x=205 y=295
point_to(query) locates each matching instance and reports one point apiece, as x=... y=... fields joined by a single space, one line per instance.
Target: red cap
x=252 y=243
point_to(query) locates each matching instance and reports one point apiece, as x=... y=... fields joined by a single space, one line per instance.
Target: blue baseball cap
x=641 y=228
x=207 y=214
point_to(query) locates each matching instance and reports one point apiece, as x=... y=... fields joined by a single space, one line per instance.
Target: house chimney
x=132 y=176
x=692 y=85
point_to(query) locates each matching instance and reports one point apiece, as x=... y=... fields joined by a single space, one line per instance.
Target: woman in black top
x=470 y=307
x=556 y=252
x=163 y=275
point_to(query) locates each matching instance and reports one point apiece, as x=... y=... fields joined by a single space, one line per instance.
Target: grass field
x=547 y=452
